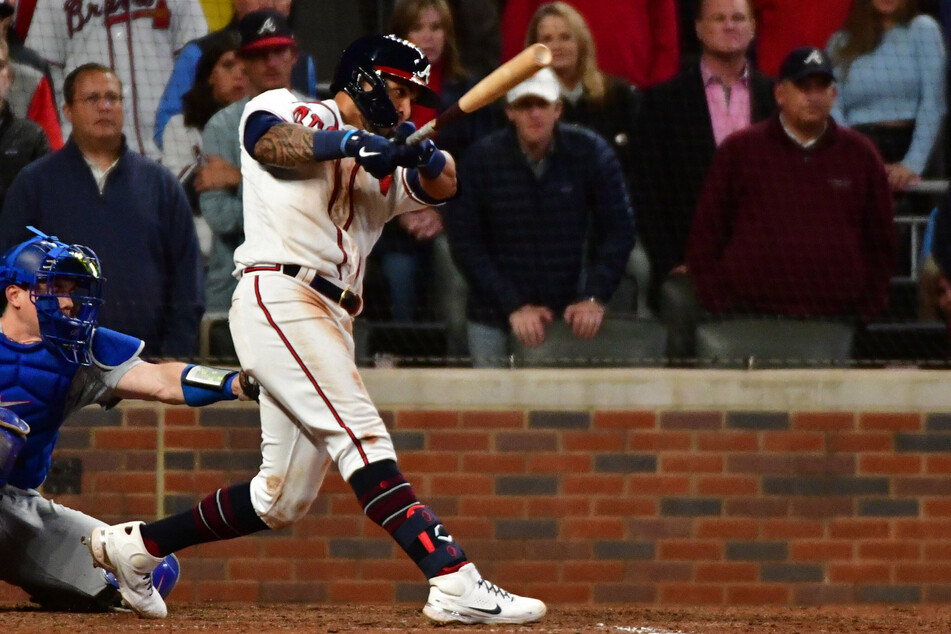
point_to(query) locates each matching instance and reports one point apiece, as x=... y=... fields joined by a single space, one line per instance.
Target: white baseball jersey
x=138 y=39
x=325 y=217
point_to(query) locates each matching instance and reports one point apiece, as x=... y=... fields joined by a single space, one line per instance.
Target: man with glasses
x=128 y=208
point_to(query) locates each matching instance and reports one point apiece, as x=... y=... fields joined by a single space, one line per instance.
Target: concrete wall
x=655 y=486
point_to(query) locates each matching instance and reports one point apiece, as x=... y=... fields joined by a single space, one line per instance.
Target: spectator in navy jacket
x=129 y=209
x=542 y=228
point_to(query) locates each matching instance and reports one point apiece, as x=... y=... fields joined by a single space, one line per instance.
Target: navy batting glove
x=403 y=131
x=375 y=153
x=424 y=156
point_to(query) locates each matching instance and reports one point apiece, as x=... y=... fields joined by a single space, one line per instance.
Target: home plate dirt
x=373 y=619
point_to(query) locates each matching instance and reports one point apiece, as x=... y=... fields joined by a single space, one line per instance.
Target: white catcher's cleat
x=120 y=550
x=465 y=597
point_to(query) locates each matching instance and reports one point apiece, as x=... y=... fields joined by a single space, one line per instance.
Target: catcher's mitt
x=250 y=387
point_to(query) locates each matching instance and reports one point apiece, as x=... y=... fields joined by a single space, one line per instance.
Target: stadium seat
x=773 y=342
x=619 y=343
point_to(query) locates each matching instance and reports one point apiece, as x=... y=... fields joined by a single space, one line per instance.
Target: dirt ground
x=373 y=619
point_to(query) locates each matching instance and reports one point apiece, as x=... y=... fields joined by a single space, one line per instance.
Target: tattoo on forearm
x=285 y=145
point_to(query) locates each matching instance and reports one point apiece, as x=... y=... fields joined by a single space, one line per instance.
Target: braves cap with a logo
x=264 y=29
x=805 y=61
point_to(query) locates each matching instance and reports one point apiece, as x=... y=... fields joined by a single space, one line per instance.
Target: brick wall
x=575 y=505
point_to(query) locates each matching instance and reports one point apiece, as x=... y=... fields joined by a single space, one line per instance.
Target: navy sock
x=224 y=514
x=389 y=500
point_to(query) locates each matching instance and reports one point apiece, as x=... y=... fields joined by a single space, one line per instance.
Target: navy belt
x=343 y=297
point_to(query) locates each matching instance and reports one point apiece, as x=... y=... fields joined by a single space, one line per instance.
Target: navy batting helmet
x=65 y=282
x=373 y=58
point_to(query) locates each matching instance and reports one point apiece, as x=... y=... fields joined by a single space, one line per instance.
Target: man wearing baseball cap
x=542 y=227
x=795 y=218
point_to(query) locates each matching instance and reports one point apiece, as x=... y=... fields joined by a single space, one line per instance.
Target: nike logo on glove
x=364 y=154
x=497 y=609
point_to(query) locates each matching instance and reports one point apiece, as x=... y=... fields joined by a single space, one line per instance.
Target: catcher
x=53 y=361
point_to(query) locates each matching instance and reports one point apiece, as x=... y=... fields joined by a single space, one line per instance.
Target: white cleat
x=465 y=597
x=120 y=550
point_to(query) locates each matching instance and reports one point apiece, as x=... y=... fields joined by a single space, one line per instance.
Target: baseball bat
x=490 y=88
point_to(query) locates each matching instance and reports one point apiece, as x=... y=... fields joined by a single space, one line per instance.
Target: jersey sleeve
x=188 y=23
x=289 y=108
x=49 y=34
x=114 y=354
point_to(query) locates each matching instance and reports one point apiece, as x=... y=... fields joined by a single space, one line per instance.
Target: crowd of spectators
x=702 y=129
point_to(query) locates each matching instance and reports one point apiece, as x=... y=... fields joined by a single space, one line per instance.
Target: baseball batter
x=53 y=361
x=138 y=39
x=320 y=180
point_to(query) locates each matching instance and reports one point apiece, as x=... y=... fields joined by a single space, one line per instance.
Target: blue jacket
x=141 y=228
x=549 y=241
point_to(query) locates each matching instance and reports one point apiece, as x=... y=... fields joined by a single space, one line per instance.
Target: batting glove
x=424 y=156
x=375 y=153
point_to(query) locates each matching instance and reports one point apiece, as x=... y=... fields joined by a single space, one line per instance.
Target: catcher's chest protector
x=34 y=383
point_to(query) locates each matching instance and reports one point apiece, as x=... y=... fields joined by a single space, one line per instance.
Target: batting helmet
x=164 y=577
x=65 y=282
x=373 y=58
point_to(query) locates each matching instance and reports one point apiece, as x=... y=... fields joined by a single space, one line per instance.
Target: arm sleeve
x=42 y=110
x=879 y=240
x=48 y=33
x=222 y=208
x=180 y=82
x=665 y=47
x=184 y=291
x=932 y=105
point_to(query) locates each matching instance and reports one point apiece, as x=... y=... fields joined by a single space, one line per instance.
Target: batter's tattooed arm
x=285 y=145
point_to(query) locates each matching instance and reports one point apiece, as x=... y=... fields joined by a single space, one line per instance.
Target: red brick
x=660 y=485
x=858 y=573
x=181 y=416
x=822 y=421
x=418 y=419
x=140 y=417
x=728 y=441
x=124 y=438
x=325 y=570
x=401 y=569
x=690 y=550
x=792 y=529
x=937 y=551
x=560 y=463
x=525 y=572
x=659 y=441
x=726 y=572
x=468 y=484
x=473 y=527
x=363 y=591
x=922 y=529
x=262 y=569
x=691 y=463
x=592 y=528
x=412 y=462
x=624 y=420
x=820 y=550
x=938 y=465
x=561 y=592
x=628 y=506
x=243 y=438
x=559 y=507
x=760 y=594
x=927 y=572
x=458 y=441
x=861 y=442
x=243 y=591
x=793 y=441
x=295 y=548
x=495 y=463
x=594 y=441
x=890 y=550
x=143 y=507
x=707 y=528
x=727 y=485
x=888 y=421
x=491 y=506
x=889 y=464
x=940 y=507
x=691 y=420
x=858 y=529
x=494 y=420
x=594 y=571
x=690 y=594
x=592 y=484
x=125 y=482
x=197 y=438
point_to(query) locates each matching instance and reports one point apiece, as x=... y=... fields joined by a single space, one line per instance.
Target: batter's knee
x=276 y=504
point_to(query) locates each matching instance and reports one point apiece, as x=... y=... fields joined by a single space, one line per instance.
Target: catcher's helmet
x=55 y=273
x=372 y=58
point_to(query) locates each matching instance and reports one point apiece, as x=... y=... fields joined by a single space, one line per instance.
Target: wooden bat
x=493 y=86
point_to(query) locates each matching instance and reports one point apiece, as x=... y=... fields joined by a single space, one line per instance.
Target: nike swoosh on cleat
x=363 y=153
x=497 y=610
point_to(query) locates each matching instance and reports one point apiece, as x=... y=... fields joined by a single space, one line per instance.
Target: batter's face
x=554 y=32
x=428 y=34
x=725 y=27
x=806 y=104
x=269 y=68
x=534 y=119
x=96 y=110
x=403 y=95
x=228 y=81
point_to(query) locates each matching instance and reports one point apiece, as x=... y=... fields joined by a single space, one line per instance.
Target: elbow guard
x=204 y=385
x=13 y=433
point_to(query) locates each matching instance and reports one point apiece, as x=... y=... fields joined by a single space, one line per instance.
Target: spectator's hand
x=528 y=323
x=216 y=173
x=423 y=225
x=585 y=318
x=680 y=269
x=900 y=177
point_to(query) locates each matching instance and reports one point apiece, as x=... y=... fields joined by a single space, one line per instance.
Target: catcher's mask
x=372 y=59
x=65 y=282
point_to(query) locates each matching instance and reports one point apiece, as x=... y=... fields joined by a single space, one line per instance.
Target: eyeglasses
x=110 y=99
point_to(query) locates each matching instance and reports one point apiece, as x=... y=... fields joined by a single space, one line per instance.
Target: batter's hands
x=585 y=318
x=529 y=322
x=246 y=388
x=423 y=225
x=375 y=153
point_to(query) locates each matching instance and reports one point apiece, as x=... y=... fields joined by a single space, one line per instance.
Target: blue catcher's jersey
x=42 y=388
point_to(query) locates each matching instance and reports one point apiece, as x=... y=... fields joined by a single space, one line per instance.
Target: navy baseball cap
x=264 y=29
x=6 y=10
x=805 y=61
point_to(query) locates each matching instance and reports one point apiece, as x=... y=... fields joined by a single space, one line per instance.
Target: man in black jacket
x=683 y=121
x=21 y=141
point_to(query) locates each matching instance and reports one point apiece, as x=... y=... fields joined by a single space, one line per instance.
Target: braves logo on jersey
x=79 y=13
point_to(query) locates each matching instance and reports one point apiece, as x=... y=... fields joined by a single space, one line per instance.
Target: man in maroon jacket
x=795 y=217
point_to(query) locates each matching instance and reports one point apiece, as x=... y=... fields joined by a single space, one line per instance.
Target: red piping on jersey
x=306 y=370
x=353 y=177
